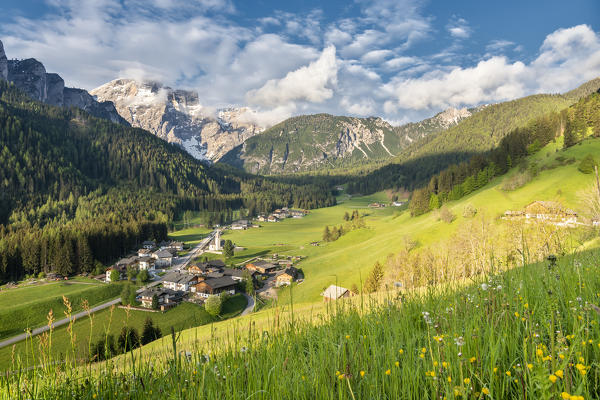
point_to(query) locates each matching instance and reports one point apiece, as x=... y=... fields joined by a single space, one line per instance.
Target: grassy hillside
x=27 y=307
x=527 y=332
x=349 y=259
x=91 y=329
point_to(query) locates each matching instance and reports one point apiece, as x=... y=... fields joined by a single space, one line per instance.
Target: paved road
x=178 y=264
x=250 y=306
x=182 y=262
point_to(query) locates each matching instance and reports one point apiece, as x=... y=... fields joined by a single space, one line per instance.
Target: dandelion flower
x=397 y=363
x=508 y=373
x=362 y=374
x=485 y=391
x=472 y=360
x=530 y=366
x=401 y=351
x=388 y=372
x=347 y=336
x=565 y=395
x=449 y=379
x=466 y=381
x=552 y=378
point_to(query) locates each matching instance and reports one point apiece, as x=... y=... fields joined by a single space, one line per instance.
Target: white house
x=146 y=263
x=179 y=281
x=163 y=258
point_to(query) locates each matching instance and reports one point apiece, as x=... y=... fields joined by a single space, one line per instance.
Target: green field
x=184 y=316
x=27 y=306
x=348 y=260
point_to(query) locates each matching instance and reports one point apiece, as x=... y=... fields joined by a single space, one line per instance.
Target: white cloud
x=310 y=83
x=459 y=28
x=376 y=56
x=567 y=57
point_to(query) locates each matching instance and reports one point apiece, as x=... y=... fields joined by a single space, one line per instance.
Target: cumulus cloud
x=310 y=83
x=567 y=57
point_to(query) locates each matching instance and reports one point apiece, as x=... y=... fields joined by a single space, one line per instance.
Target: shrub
x=446 y=215
x=588 y=164
x=150 y=332
x=143 y=276
x=115 y=276
x=129 y=339
x=213 y=305
x=516 y=181
x=469 y=211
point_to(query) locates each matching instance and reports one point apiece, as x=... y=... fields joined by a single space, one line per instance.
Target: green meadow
x=111 y=321
x=348 y=260
x=26 y=307
x=529 y=332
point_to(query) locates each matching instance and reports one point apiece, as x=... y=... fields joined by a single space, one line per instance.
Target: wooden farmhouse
x=262 y=267
x=211 y=286
x=287 y=277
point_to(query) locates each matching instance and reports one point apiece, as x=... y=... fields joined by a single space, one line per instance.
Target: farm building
x=166 y=297
x=334 y=292
x=260 y=266
x=287 y=277
x=210 y=286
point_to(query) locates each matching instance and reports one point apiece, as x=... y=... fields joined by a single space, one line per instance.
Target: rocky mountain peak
x=3 y=63
x=30 y=76
x=452 y=116
x=177 y=115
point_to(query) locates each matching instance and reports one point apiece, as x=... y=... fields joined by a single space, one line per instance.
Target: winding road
x=178 y=264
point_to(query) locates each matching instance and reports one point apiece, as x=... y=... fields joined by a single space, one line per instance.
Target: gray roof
x=263 y=264
x=163 y=254
x=158 y=291
x=177 y=277
x=234 y=272
x=217 y=283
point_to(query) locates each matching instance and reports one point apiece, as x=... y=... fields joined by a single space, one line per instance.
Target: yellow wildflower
x=485 y=391
x=530 y=366
x=516 y=314
x=341 y=376
x=565 y=395
x=435 y=364
x=445 y=364
x=552 y=378
x=472 y=359
x=559 y=373
x=449 y=379
x=401 y=351
x=362 y=374
x=397 y=364
x=467 y=381
x=495 y=369
x=388 y=372
x=508 y=373
x=423 y=350
x=347 y=336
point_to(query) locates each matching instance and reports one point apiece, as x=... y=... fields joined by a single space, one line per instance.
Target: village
x=178 y=273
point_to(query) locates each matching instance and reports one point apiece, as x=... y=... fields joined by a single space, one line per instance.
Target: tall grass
x=531 y=332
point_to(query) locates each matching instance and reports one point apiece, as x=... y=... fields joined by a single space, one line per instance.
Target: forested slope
x=75 y=189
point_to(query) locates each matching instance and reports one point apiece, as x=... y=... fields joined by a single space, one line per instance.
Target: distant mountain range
x=313 y=142
x=177 y=116
x=30 y=76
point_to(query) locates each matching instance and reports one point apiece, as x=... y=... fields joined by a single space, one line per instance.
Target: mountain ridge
x=177 y=116
x=30 y=76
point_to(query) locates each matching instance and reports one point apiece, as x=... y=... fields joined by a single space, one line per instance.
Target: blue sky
x=400 y=59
